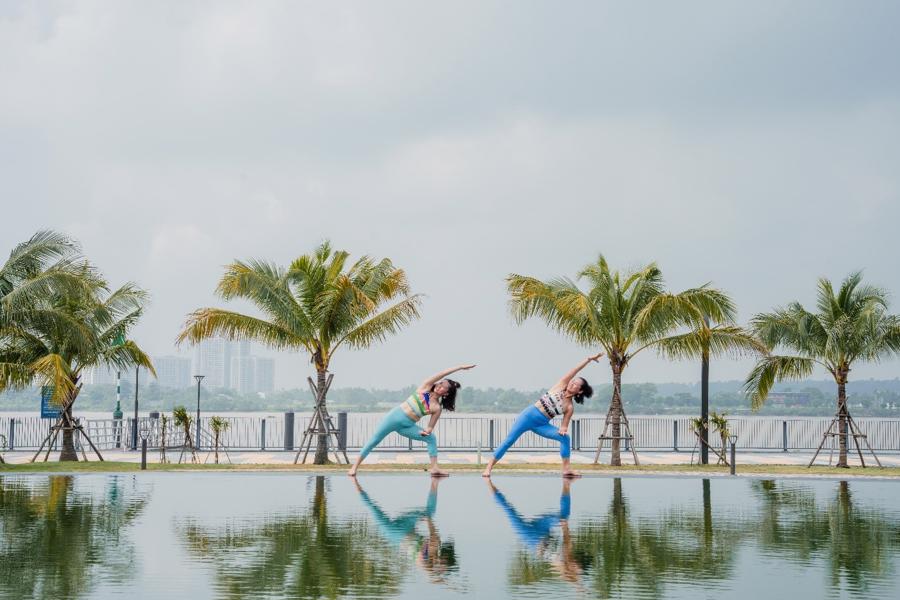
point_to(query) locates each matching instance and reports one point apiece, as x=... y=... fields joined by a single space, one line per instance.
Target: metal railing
x=465 y=433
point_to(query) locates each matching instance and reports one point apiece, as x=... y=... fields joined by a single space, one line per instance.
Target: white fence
x=463 y=433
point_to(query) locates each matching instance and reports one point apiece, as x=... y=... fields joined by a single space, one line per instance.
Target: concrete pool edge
x=757 y=471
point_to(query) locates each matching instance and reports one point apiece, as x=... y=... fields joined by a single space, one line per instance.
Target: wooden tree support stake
x=854 y=432
x=321 y=423
x=628 y=436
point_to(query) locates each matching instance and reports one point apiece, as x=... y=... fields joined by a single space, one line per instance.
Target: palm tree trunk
x=615 y=415
x=842 y=423
x=216 y=446
x=68 y=453
x=321 y=457
x=704 y=410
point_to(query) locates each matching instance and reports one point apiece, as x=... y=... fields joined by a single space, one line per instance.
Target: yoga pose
x=557 y=401
x=435 y=394
x=431 y=554
x=537 y=533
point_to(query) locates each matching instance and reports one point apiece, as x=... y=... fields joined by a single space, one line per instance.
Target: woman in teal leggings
x=435 y=394
x=558 y=401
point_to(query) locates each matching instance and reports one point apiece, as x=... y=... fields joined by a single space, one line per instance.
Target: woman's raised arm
x=562 y=383
x=426 y=385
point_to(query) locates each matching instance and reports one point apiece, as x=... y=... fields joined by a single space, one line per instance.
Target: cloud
x=748 y=145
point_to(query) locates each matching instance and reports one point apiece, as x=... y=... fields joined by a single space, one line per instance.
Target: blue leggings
x=533 y=531
x=397 y=421
x=532 y=419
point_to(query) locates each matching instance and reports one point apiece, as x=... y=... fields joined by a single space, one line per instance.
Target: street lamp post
x=199 y=378
x=134 y=431
x=145 y=433
x=733 y=439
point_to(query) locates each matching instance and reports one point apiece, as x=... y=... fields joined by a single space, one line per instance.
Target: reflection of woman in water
x=434 y=557
x=537 y=533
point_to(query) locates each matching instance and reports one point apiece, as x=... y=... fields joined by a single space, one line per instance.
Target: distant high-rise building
x=265 y=374
x=243 y=374
x=209 y=360
x=101 y=376
x=172 y=371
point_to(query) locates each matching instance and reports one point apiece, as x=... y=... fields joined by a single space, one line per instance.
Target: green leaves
x=58 y=318
x=849 y=324
x=770 y=369
x=318 y=303
x=619 y=312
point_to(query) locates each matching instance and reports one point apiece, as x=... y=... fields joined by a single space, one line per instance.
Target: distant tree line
x=880 y=398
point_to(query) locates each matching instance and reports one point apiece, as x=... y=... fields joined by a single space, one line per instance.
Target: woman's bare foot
x=571 y=474
x=438 y=473
x=352 y=472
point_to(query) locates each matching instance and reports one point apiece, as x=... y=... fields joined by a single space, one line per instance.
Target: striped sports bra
x=552 y=403
x=419 y=408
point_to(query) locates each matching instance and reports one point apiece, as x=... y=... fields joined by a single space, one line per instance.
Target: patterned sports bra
x=552 y=403
x=419 y=408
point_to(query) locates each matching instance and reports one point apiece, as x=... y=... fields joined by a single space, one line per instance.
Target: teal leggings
x=398 y=421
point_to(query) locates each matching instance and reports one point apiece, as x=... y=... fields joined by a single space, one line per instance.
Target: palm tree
x=849 y=326
x=622 y=313
x=46 y=262
x=704 y=340
x=182 y=418
x=164 y=426
x=316 y=305
x=67 y=329
x=218 y=426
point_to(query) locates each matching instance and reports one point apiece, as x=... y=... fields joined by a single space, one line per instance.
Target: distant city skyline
x=247 y=373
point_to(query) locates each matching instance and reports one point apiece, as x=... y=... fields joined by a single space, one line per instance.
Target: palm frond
x=54 y=370
x=560 y=303
x=771 y=369
x=127 y=355
x=387 y=322
x=212 y=322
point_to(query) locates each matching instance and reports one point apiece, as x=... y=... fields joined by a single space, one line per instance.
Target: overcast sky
x=753 y=145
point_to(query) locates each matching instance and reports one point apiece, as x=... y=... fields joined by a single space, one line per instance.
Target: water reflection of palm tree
x=855 y=541
x=432 y=555
x=624 y=554
x=546 y=556
x=57 y=539
x=305 y=555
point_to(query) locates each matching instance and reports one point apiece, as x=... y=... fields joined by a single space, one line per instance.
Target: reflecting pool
x=277 y=535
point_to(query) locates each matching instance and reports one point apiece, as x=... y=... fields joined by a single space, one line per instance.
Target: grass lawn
x=756 y=470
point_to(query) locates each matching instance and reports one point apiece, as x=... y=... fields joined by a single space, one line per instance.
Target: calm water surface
x=246 y=535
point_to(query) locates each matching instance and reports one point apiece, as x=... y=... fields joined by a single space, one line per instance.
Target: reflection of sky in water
x=181 y=535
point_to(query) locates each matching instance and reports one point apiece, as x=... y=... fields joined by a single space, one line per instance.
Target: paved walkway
x=403 y=458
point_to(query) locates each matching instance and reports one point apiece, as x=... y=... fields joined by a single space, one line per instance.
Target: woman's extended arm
x=562 y=383
x=426 y=385
x=435 y=415
x=567 y=416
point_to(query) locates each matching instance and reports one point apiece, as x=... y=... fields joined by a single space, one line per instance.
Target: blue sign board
x=48 y=409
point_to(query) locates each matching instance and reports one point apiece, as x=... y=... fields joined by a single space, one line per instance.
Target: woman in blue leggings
x=435 y=394
x=557 y=401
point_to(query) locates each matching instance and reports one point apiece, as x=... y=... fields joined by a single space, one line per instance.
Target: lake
x=277 y=535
